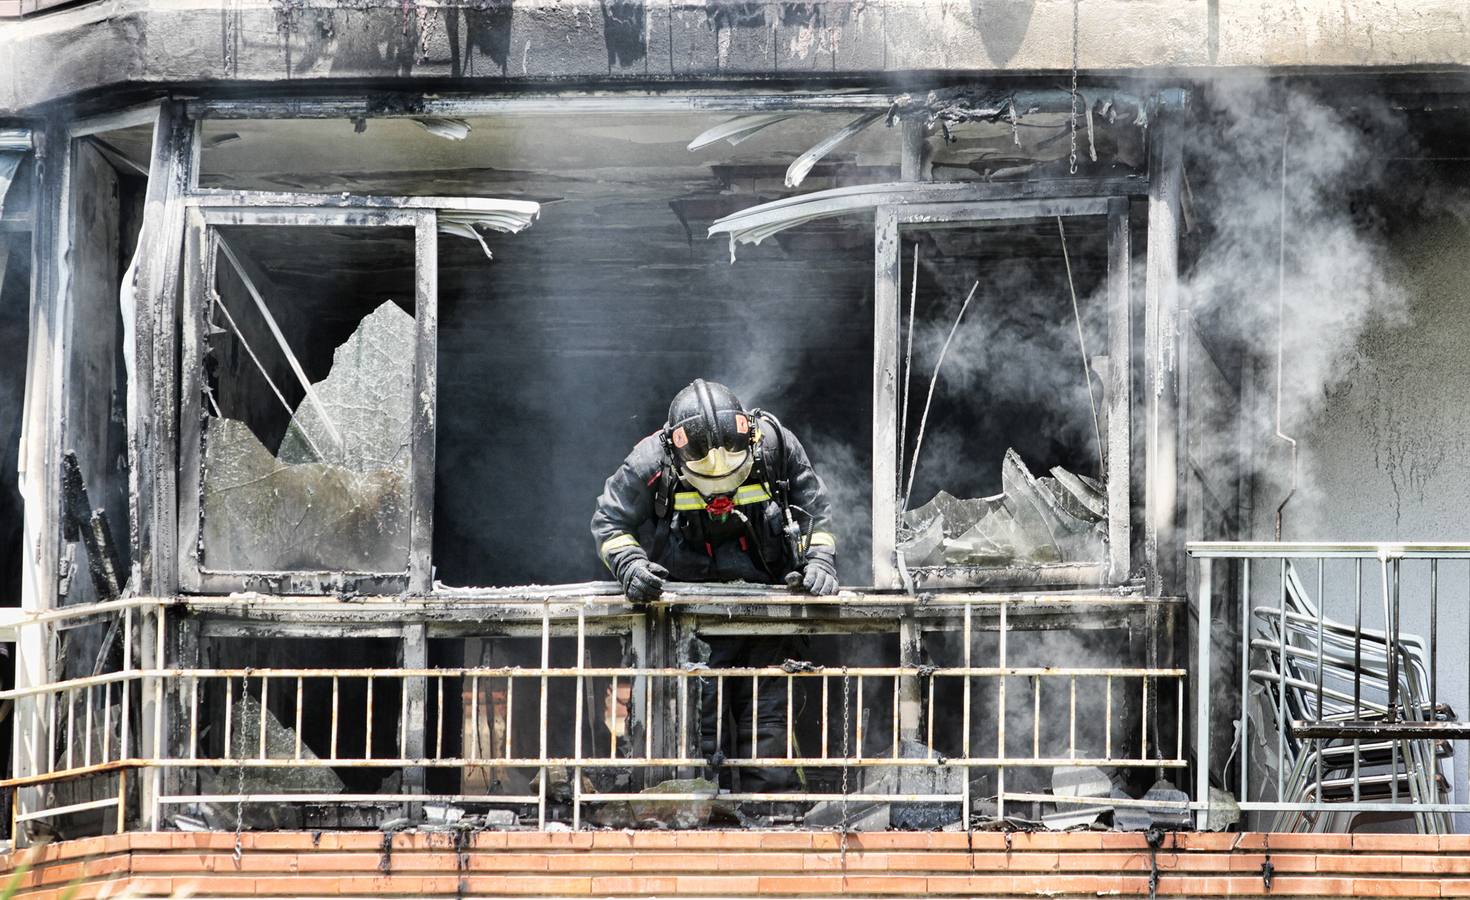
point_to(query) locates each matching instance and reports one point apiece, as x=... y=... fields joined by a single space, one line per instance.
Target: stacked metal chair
x=1308 y=665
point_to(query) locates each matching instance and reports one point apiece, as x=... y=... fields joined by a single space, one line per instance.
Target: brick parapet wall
x=744 y=864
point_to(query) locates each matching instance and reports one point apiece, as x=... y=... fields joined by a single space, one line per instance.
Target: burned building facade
x=1098 y=319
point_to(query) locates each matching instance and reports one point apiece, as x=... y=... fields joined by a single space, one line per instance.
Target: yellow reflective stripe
x=688 y=500
x=744 y=496
x=751 y=493
x=822 y=539
x=616 y=542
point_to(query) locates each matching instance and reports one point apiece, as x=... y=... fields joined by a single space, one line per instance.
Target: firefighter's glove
x=642 y=580
x=819 y=576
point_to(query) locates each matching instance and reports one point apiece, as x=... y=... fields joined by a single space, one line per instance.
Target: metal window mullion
x=1119 y=395
x=887 y=272
x=425 y=392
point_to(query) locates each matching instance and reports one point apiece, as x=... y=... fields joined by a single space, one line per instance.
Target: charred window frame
x=889 y=223
x=243 y=210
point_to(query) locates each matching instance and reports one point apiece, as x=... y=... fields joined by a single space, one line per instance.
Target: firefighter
x=722 y=493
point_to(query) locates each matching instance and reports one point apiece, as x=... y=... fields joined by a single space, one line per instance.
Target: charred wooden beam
x=81 y=522
x=152 y=385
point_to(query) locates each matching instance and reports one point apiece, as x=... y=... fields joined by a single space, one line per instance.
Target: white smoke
x=1289 y=263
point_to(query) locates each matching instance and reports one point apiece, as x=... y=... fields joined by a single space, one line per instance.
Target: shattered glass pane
x=366 y=399
x=1004 y=395
x=1062 y=518
x=336 y=494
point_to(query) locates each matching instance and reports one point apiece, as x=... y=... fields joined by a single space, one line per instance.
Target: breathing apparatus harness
x=793 y=536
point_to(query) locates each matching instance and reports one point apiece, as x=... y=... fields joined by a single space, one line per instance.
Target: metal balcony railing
x=965 y=702
x=1330 y=681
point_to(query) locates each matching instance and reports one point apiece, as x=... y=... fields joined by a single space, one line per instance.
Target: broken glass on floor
x=1060 y=518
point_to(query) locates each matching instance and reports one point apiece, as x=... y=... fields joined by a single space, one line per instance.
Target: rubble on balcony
x=655 y=813
x=280 y=742
x=1085 y=782
x=879 y=815
x=1057 y=519
x=337 y=493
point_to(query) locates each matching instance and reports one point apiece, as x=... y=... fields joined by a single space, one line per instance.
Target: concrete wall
x=1383 y=458
x=495 y=43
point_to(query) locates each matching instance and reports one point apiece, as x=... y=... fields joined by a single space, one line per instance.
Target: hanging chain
x=846 y=728
x=240 y=770
x=1072 y=157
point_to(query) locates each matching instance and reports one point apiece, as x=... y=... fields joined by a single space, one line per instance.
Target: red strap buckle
x=720 y=506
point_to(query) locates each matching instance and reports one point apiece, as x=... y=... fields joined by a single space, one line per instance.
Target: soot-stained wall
x=1383 y=458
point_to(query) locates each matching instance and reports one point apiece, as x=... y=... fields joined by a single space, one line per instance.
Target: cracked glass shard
x=367 y=397
x=336 y=496
x=1053 y=519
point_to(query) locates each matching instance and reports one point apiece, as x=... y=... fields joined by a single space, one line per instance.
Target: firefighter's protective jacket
x=695 y=544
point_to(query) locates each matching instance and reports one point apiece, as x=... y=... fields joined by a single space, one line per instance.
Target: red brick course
x=751 y=864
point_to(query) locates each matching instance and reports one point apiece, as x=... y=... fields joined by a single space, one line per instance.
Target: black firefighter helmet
x=710 y=436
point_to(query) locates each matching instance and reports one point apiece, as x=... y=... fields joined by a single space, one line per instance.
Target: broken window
x=309 y=391
x=1007 y=395
x=307 y=351
x=567 y=348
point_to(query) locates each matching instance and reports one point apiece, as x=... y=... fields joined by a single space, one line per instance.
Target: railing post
x=151 y=712
x=1161 y=373
x=179 y=708
x=414 y=654
x=1202 y=691
x=910 y=656
x=664 y=715
x=639 y=647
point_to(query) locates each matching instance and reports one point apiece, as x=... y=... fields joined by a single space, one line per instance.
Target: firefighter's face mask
x=719 y=472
